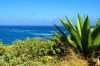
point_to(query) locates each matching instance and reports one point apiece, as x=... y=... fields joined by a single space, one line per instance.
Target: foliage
x=29 y=52
x=83 y=39
x=42 y=47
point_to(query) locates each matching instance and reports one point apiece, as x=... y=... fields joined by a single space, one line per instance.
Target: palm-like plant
x=84 y=39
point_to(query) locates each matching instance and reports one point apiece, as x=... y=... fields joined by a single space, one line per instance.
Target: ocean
x=8 y=34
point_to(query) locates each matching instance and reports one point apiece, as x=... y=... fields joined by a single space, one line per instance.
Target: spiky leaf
x=70 y=23
x=79 y=24
x=98 y=23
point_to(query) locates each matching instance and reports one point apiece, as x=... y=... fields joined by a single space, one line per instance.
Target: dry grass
x=71 y=59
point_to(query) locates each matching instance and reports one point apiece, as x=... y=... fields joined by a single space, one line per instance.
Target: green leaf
x=61 y=31
x=70 y=23
x=79 y=24
x=76 y=38
x=68 y=27
x=85 y=33
x=98 y=23
x=63 y=38
x=90 y=45
x=85 y=15
x=65 y=24
x=86 y=25
x=96 y=35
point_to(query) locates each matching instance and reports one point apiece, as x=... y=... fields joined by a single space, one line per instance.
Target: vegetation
x=37 y=52
x=77 y=49
x=27 y=51
x=83 y=39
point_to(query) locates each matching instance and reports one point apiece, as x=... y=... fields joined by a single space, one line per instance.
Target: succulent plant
x=83 y=39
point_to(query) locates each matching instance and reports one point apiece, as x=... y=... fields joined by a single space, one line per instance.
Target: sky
x=46 y=12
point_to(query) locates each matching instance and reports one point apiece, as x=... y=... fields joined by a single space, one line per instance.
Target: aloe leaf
x=79 y=24
x=68 y=27
x=98 y=23
x=72 y=43
x=61 y=31
x=74 y=35
x=86 y=25
x=63 y=38
x=65 y=24
x=90 y=45
x=85 y=33
x=70 y=23
x=77 y=38
x=96 y=35
x=85 y=15
x=96 y=32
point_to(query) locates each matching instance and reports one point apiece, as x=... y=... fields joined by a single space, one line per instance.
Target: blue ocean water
x=8 y=34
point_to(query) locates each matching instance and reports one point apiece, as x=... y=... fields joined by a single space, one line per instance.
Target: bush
x=33 y=50
x=37 y=47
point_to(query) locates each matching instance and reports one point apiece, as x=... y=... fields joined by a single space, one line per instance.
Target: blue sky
x=46 y=12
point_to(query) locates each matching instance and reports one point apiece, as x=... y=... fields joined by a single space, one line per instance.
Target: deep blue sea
x=8 y=34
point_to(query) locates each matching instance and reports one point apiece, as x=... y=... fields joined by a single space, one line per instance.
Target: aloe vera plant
x=83 y=39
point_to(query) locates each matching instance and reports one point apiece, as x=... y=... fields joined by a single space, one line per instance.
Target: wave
x=43 y=34
x=14 y=30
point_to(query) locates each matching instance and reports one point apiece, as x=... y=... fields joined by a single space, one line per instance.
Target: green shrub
x=24 y=52
x=37 y=47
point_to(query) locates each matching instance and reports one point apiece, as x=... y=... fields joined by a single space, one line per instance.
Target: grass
x=71 y=59
x=6 y=44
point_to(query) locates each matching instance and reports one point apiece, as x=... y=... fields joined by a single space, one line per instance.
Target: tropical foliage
x=83 y=39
